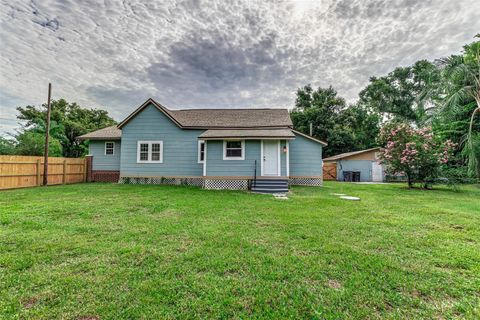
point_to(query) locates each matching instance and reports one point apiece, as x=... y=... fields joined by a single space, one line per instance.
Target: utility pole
x=311 y=129
x=47 y=134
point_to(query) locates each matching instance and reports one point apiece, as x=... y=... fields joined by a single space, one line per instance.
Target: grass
x=105 y=251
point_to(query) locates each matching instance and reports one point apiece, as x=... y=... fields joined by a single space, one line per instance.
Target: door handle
x=264 y=159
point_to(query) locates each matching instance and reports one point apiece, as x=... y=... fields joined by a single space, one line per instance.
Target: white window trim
x=205 y=160
x=149 y=152
x=288 y=159
x=233 y=158
x=261 y=158
x=113 y=148
x=200 y=151
x=279 y=153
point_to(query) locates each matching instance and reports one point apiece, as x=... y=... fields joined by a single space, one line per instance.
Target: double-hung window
x=150 y=151
x=109 y=148
x=233 y=150
x=201 y=151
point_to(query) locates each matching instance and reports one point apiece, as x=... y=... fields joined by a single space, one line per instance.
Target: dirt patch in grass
x=456 y=226
x=29 y=302
x=334 y=284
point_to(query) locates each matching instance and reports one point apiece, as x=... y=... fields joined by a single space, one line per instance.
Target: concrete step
x=270 y=186
x=279 y=182
x=273 y=186
x=265 y=190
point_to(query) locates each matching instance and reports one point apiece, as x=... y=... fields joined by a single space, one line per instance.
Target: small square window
x=109 y=148
x=233 y=150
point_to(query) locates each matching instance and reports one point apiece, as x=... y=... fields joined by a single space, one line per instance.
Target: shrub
x=415 y=153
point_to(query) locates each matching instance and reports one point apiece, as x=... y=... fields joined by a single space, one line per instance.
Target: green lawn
x=105 y=251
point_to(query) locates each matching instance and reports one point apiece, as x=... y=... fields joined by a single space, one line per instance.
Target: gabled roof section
x=310 y=137
x=143 y=106
x=349 y=154
x=220 y=118
x=108 y=133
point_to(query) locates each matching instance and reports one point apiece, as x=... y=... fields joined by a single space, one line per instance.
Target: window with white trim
x=233 y=150
x=109 y=148
x=201 y=151
x=150 y=151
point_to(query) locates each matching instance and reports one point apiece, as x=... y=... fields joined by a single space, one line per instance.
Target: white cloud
x=215 y=54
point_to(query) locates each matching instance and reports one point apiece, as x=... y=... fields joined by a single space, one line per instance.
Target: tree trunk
x=410 y=182
x=473 y=161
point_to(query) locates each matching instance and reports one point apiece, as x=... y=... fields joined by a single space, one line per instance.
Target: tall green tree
x=30 y=143
x=461 y=85
x=344 y=128
x=400 y=95
x=317 y=107
x=7 y=146
x=361 y=125
x=69 y=121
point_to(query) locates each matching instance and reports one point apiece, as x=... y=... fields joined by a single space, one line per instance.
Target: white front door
x=377 y=172
x=271 y=155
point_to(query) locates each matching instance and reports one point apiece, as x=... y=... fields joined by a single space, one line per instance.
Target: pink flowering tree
x=414 y=153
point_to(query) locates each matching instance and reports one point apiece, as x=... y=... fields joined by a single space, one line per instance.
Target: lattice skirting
x=198 y=182
x=105 y=176
x=305 y=181
x=215 y=184
x=219 y=184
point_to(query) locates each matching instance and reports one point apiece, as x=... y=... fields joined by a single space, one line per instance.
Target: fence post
x=84 y=169
x=89 y=168
x=39 y=183
x=64 y=179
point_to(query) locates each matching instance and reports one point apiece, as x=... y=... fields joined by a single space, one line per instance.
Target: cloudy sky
x=190 y=54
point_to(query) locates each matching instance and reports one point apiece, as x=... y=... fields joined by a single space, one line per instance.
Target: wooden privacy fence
x=329 y=171
x=27 y=171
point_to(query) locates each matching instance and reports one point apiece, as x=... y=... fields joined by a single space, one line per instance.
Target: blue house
x=211 y=148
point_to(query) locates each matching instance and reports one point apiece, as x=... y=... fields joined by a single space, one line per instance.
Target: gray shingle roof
x=232 y=118
x=206 y=119
x=247 y=133
x=220 y=118
x=348 y=154
x=111 y=132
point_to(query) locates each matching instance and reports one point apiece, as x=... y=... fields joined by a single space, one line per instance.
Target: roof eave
x=247 y=138
x=310 y=137
x=348 y=154
x=233 y=128
x=98 y=138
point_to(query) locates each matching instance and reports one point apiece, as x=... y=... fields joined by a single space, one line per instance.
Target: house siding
x=102 y=162
x=180 y=147
x=216 y=166
x=364 y=166
x=305 y=157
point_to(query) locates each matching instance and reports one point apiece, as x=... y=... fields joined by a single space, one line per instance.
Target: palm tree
x=461 y=76
x=472 y=147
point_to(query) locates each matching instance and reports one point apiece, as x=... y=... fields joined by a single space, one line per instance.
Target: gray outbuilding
x=358 y=166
